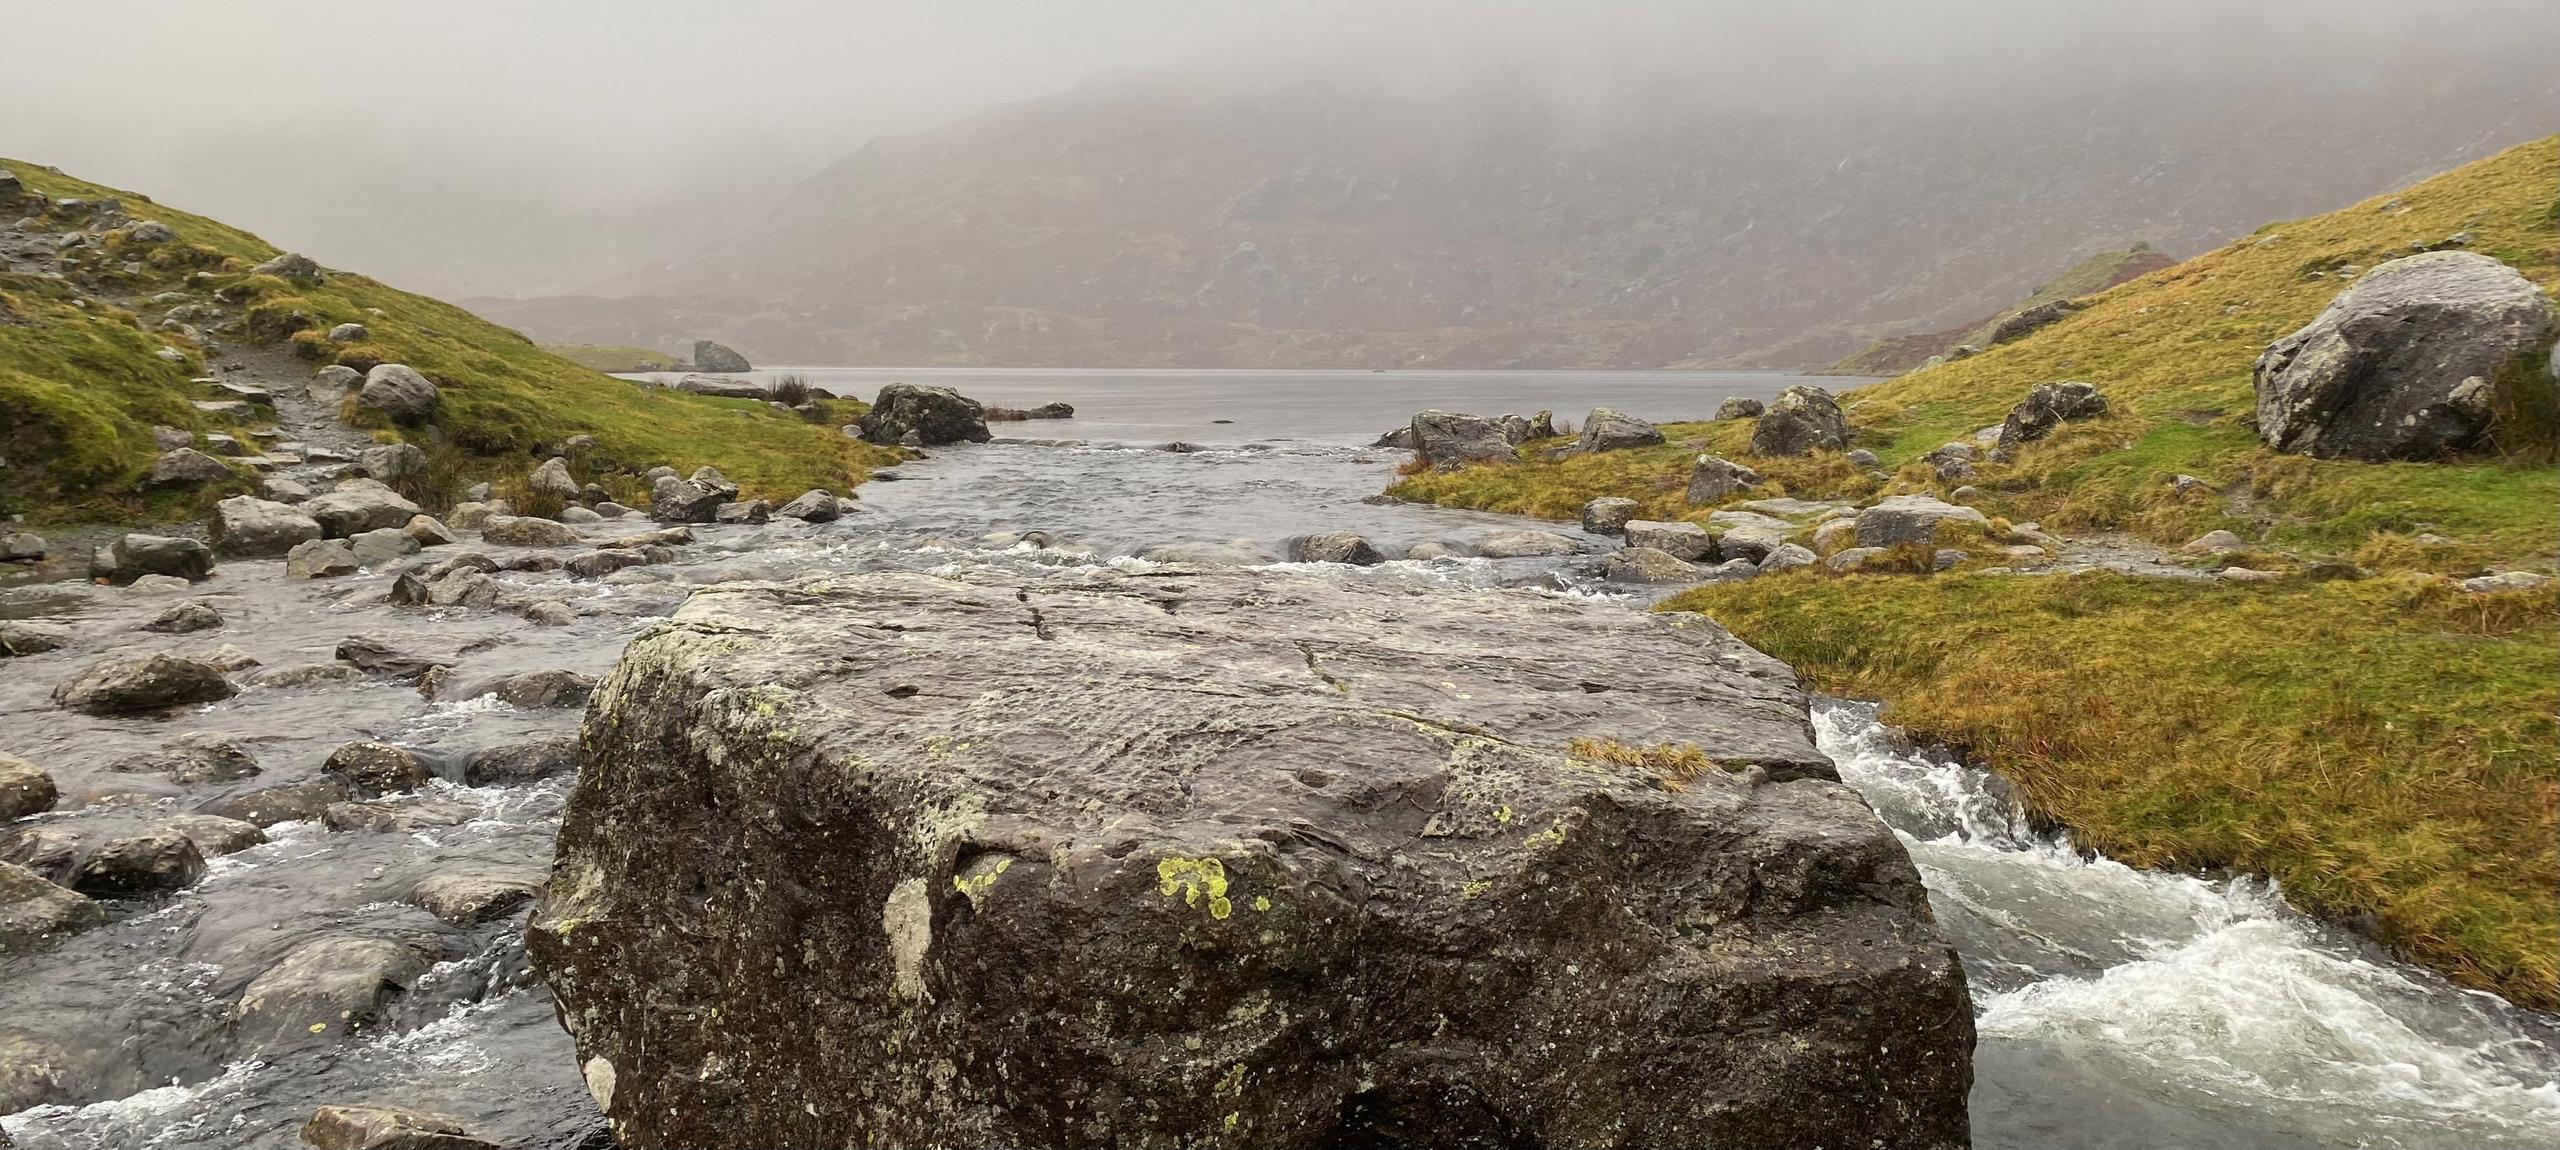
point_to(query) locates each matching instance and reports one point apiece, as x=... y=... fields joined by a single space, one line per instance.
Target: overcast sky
x=520 y=147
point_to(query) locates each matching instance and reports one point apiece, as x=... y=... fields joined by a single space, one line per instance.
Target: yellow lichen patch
x=1262 y=902
x=1674 y=763
x=980 y=878
x=1195 y=880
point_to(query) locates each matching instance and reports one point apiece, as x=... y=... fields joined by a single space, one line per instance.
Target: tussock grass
x=1675 y=764
x=90 y=387
x=607 y=357
x=2386 y=748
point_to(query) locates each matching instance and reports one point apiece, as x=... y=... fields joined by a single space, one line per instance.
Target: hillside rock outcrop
x=1012 y=866
x=709 y=355
x=2400 y=365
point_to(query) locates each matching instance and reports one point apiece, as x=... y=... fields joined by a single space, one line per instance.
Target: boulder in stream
x=135 y=556
x=246 y=526
x=1394 y=889
x=34 y=913
x=25 y=789
x=388 y=1128
x=1334 y=547
x=323 y=991
x=139 y=684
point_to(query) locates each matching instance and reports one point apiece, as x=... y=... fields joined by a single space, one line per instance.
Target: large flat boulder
x=258 y=527
x=2401 y=365
x=711 y=355
x=1230 y=858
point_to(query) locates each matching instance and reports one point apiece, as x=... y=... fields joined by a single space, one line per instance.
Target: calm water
x=1330 y=407
x=2118 y=1008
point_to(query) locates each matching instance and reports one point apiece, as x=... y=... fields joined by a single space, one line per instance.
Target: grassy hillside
x=2095 y=274
x=81 y=384
x=603 y=357
x=2382 y=742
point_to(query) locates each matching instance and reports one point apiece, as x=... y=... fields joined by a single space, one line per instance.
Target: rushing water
x=2118 y=1008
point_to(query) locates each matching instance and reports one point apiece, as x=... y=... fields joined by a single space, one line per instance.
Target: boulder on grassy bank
x=2047 y=406
x=1802 y=420
x=1445 y=439
x=2402 y=364
x=984 y=909
x=1608 y=429
x=398 y=393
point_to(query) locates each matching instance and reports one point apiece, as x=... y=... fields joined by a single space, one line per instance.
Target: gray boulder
x=712 y=356
x=392 y=462
x=22 y=638
x=527 y=531
x=1647 y=565
x=2047 y=406
x=1748 y=534
x=1608 y=515
x=125 y=686
x=1687 y=542
x=358 y=505
x=553 y=479
x=214 y=835
x=192 y=759
x=1714 y=480
x=244 y=526
x=1608 y=429
x=292 y=266
x=349 y=333
x=1788 y=557
x=2401 y=364
x=138 y=866
x=743 y=511
x=323 y=991
x=34 y=913
x=321 y=559
x=136 y=556
x=370 y=769
x=427 y=531
x=399 y=393
x=2024 y=323
x=471 y=899
x=335 y=378
x=185 y=467
x=1388 y=896
x=21 y=547
x=672 y=500
x=724 y=387
x=24 y=789
x=1446 y=439
x=1804 y=419
x=934 y=415
x=813 y=506
x=1335 y=547
x=288 y=802
x=1525 y=544
x=388 y=1128
x=186 y=618
x=1911 y=519
x=1737 y=407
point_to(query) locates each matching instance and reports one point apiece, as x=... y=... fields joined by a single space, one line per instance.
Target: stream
x=2116 y=1007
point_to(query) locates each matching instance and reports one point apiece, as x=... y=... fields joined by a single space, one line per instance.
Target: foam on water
x=2204 y=994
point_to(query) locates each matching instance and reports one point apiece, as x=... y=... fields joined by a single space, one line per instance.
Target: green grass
x=2094 y=274
x=87 y=389
x=2385 y=748
x=604 y=357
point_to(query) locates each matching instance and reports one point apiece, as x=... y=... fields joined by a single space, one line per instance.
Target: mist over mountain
x=1345 y=217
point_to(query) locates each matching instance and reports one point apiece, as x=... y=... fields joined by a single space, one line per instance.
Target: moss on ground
x=2382 y=745
x=82 y=387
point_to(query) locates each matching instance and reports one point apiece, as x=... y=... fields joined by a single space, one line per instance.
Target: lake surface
x=1332 y=407
x=2117 y=1008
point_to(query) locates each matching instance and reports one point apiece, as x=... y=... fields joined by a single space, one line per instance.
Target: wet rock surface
x=1028 y=829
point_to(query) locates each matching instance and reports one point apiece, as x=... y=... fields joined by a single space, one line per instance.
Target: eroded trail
x=2118 y=1008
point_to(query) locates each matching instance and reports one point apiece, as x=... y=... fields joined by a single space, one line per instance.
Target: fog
x=473 y=147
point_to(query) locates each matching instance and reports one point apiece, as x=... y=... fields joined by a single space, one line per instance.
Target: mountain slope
x=1898 y=354
x=1174 y=220
x=84 y=375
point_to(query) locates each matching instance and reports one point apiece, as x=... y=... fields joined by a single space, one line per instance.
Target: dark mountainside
x=1165 y=221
